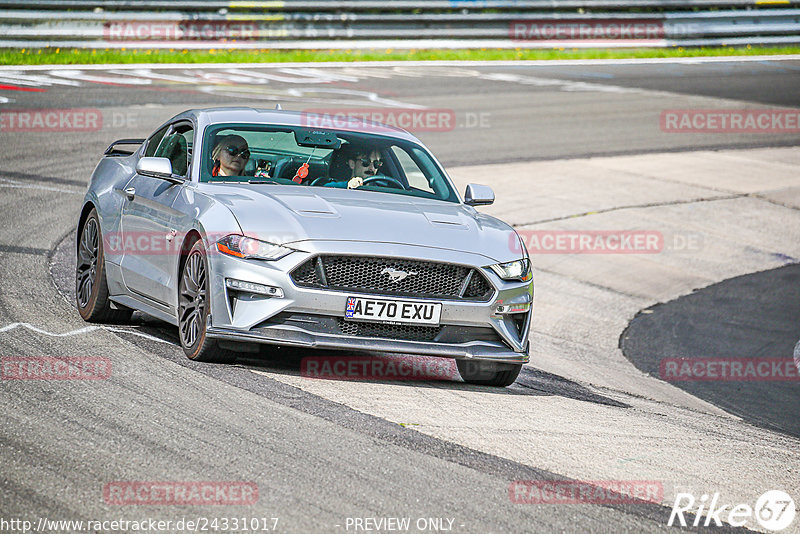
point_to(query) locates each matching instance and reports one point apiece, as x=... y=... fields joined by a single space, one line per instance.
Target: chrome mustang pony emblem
x=396 y=275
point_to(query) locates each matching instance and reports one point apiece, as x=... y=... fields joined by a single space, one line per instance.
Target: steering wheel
x=318 y=179
x=388 y=179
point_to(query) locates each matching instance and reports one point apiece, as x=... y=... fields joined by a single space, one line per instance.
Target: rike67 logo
x=774 y=510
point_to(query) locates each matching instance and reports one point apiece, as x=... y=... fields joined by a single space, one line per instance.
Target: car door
x=147 y=228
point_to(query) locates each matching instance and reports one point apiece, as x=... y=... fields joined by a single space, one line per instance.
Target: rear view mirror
x=317 y=139
x=478 y=195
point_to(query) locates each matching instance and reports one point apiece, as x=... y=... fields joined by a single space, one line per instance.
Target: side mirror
x=156 y=168
x=478 y=195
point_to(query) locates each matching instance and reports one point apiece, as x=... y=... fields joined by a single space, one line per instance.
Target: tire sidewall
x=488 y=373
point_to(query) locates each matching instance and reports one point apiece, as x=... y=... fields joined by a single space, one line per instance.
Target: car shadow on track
x=295 y=362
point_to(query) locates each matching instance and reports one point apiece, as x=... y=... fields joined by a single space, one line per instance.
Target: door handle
x=130 y=193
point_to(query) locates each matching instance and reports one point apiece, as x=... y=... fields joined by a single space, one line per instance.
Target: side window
x=177 y=148
x=414 y=175
x=153 y=142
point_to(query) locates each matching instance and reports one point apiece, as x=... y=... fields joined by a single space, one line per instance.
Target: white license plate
x=392 y=311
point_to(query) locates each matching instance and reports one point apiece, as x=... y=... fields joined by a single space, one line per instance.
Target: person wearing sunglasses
x=230 y=156
x=363 y=164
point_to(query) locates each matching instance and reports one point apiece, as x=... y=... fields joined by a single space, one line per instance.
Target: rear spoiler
x=112 y=151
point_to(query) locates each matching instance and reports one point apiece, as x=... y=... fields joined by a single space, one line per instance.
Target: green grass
x=73 y=56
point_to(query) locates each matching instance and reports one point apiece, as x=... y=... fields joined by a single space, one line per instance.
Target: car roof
x=241 y=114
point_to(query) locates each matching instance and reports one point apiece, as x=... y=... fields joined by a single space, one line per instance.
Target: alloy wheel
x=192 y=305
x=87 y=262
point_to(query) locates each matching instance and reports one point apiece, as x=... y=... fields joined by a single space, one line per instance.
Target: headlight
x=247 y=247
x=519 y=270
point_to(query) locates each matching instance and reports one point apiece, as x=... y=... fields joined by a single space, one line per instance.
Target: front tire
x=91 y=287
x=484 y=373
x=193 y=310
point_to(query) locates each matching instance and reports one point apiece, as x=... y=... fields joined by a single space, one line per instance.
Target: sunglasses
x=234 y=151
x=375 y=163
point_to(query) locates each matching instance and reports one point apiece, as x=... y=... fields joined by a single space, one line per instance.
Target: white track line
x=76 y=75
x=339 y=64
x=80 y=331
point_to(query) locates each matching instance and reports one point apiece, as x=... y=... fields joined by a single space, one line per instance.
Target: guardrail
x=396 y=23
x=374 y=5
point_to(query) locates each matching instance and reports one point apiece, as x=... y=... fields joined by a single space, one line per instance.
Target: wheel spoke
x=189 y=269
x=201 y=276
x=187 y=312
x=85 y=250
x=186 y=315
x=194 y=328
x=82 y=274
x=85 y=290
x=187 y=331
x=92 y=236
x=191 y=281
x=195 y=267
x=191 y=286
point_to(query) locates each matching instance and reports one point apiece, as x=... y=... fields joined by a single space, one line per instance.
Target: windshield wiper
x=261 y=182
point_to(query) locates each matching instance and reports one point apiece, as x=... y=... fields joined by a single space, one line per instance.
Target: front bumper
x=478 y=350
x=246 y=317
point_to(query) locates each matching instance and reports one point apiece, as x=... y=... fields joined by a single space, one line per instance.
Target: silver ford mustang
x=243 y=226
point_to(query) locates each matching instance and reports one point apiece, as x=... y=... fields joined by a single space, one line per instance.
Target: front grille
x=477 y=287
x=308 y=273
x=365 y=274
x=408 y=332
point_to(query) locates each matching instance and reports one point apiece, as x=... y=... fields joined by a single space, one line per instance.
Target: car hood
x=288 y=215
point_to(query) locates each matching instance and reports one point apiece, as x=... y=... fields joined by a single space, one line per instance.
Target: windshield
x=309 y=157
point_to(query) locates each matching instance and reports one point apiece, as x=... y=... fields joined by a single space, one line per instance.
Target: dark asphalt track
x=565 y=111
x=751 y=316
x=764 y=82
